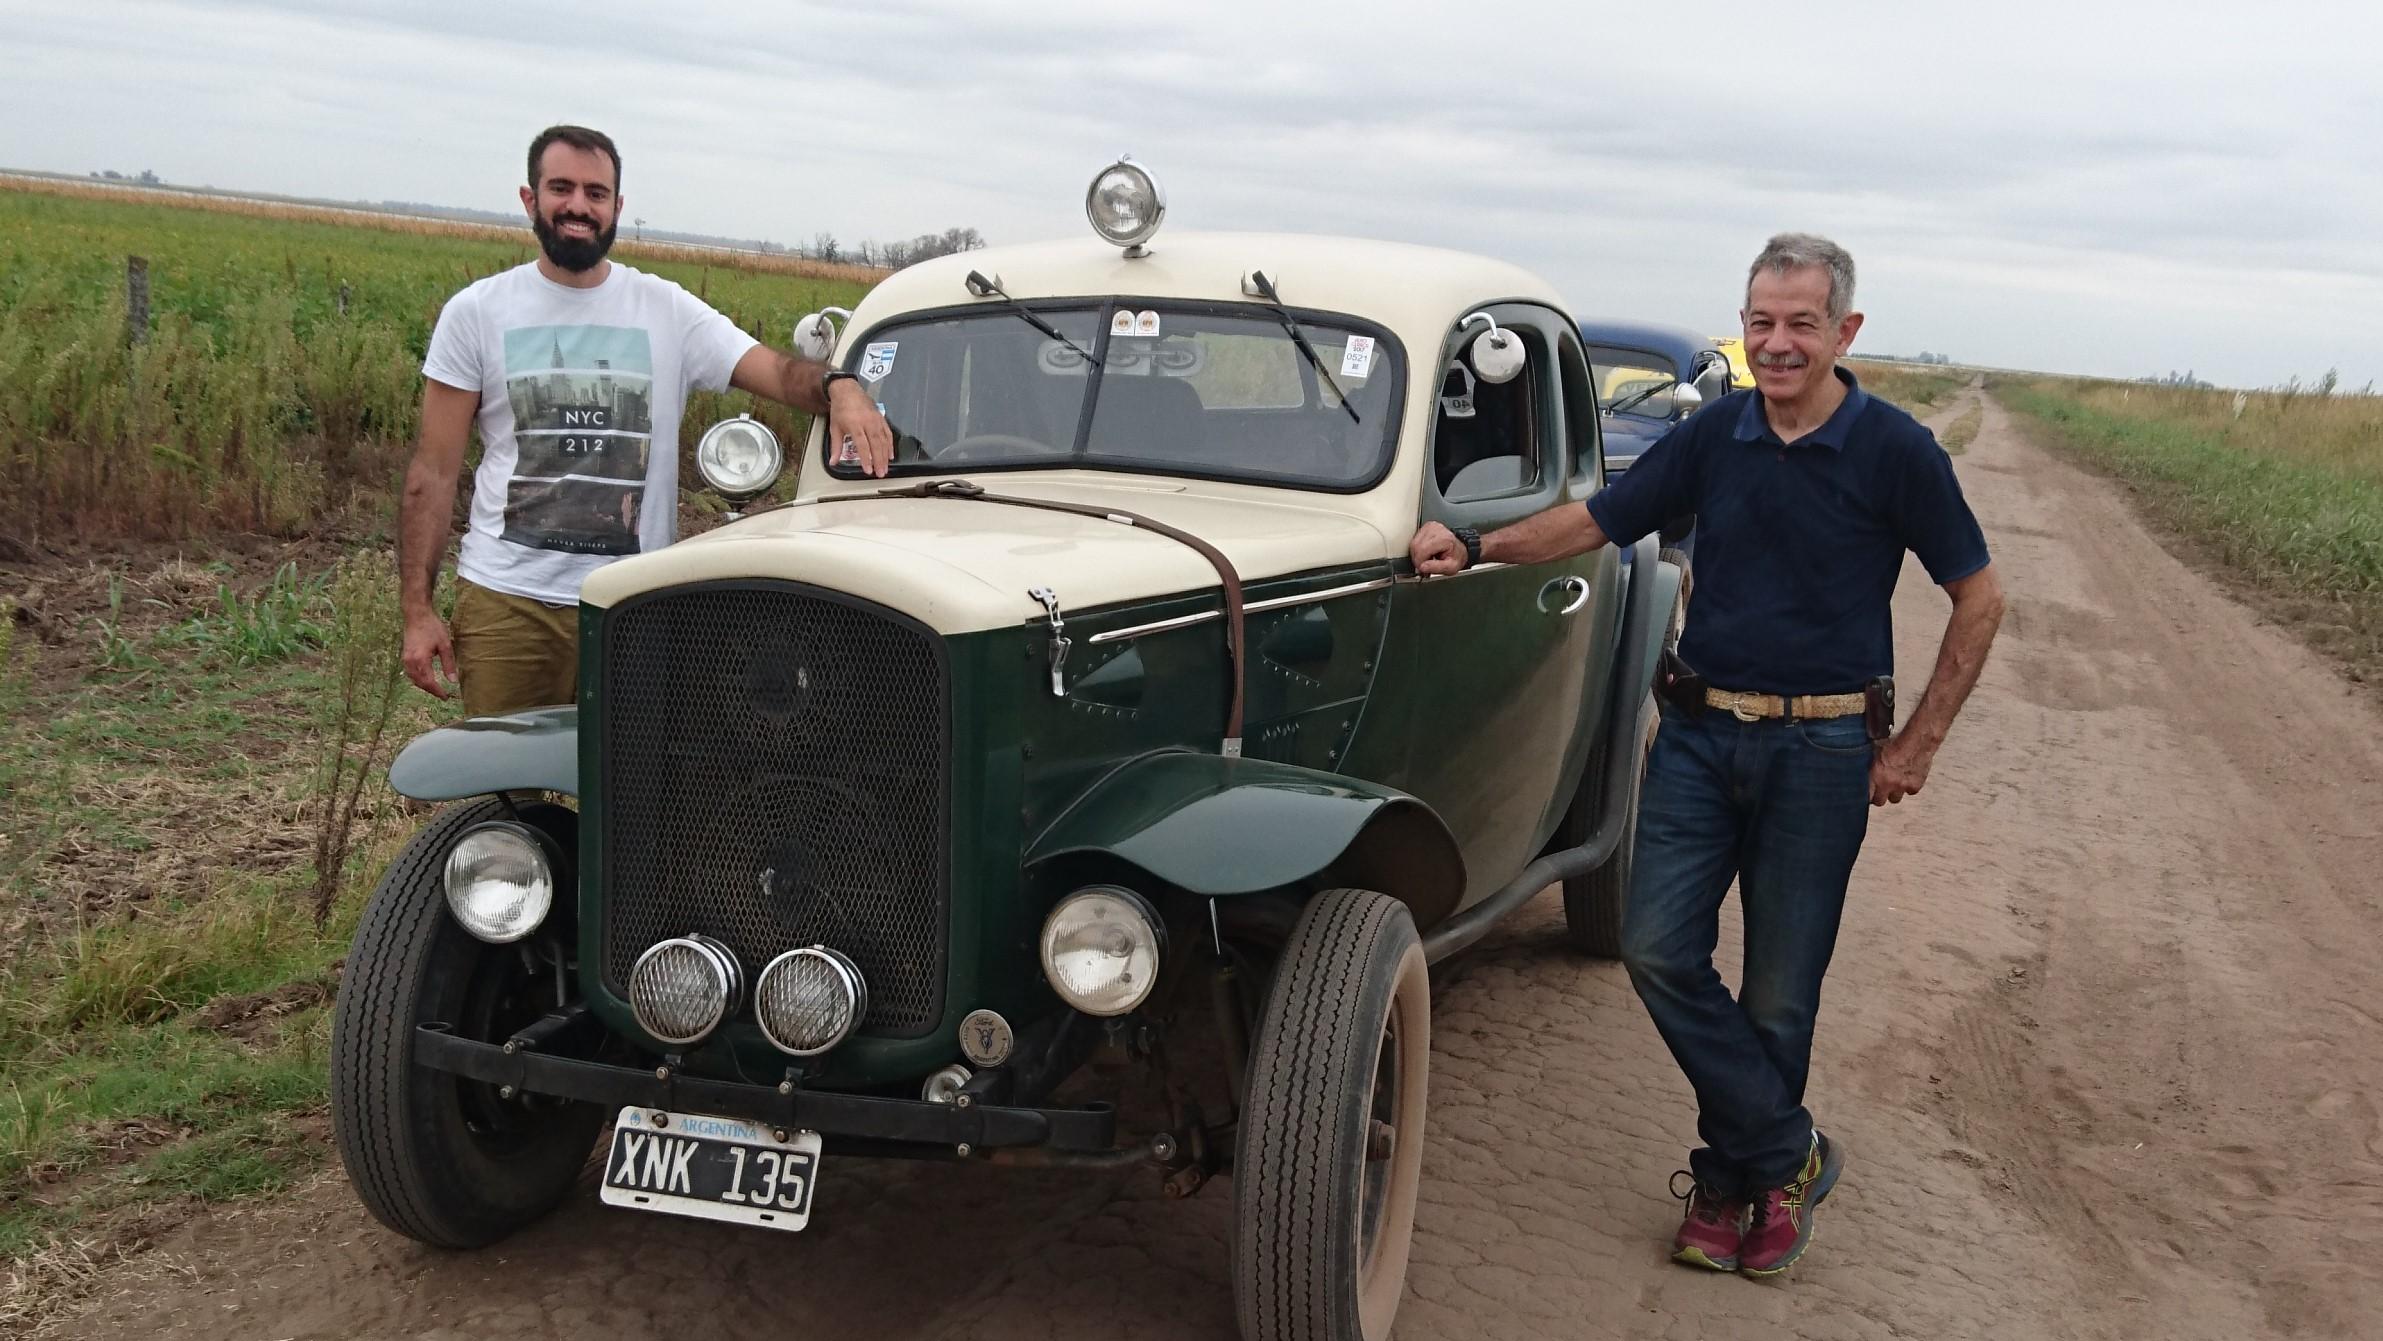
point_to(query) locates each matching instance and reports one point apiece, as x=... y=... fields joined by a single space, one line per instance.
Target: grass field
x=2285 y=499
x=256 y=403
x=168 y=734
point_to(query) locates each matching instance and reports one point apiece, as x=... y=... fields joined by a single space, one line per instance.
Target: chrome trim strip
x=1254 y=607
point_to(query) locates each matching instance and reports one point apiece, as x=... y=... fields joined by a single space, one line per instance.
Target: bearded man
x=576 y=369
x=1775 y=742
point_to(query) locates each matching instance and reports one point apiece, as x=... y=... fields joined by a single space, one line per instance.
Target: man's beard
x=572 y=254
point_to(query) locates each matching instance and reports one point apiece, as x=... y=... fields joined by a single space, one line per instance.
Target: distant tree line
x=145 y=177
x=897 y=254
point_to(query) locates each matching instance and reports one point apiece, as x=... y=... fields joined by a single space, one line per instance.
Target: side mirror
x=1685 y=398
x=815 y=333
x=1497 y=354
x=1712 y=380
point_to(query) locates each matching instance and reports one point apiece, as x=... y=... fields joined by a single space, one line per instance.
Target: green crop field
x=256 y=403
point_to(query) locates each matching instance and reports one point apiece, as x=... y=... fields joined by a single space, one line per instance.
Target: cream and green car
x=1113 y=727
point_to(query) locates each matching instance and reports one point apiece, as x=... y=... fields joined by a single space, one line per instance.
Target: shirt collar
x=1755 y=426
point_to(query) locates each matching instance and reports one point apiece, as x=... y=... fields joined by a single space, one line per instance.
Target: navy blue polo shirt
x=1798 y=546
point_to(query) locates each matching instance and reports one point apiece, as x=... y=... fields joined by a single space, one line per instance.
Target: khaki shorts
x=513 y=652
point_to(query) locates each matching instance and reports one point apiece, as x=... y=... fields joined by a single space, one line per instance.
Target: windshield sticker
x=1146 y=323
x=878 y=360
x=1358 y=359
x=1122 y=323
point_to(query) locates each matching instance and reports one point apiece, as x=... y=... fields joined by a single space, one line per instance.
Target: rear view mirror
x=1685 y=398
x=815 y=333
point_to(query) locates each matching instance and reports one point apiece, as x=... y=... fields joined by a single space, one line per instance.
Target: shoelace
x=1702 y=1203
x=1790 y=1199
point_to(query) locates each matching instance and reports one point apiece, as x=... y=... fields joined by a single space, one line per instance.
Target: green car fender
x=1218 y=827
x=1662 y=590
x=536 y=749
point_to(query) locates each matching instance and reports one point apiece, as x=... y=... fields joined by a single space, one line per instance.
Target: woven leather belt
x=1802 y=707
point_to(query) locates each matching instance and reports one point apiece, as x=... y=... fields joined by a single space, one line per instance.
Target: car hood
x=962 y=565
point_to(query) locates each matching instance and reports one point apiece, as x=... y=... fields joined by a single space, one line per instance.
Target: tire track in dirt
x=2100 y=1043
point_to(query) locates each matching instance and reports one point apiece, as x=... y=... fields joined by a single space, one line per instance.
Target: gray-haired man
x=1807 y=492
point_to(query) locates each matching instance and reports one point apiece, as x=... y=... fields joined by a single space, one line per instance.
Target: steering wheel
x=976 y=445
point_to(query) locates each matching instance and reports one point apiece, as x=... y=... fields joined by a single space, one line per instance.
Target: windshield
x=1220 y=391
x=1632 y=381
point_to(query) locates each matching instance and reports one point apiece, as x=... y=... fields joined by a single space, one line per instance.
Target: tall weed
x=367 y=677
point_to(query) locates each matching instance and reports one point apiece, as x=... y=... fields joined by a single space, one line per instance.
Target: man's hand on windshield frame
x=856 y=432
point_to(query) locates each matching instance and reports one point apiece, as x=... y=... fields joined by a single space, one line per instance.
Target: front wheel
x=438 y=1158
x=1330 y=1148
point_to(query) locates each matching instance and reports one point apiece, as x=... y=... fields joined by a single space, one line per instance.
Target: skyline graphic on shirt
x=582 y=399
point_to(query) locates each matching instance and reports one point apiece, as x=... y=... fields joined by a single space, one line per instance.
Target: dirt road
x=2104 y=1042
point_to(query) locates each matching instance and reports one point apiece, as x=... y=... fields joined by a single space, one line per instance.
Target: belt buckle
x=1737 y=709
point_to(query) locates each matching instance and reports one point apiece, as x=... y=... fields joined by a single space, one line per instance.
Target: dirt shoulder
x=2099 y=1041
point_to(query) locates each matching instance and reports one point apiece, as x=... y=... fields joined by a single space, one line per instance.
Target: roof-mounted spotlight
x=1126 y=205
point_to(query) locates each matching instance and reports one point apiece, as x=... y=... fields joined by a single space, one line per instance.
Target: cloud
x=2120 y=188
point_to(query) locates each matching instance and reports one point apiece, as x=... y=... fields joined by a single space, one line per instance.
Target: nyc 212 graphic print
x=582 y=400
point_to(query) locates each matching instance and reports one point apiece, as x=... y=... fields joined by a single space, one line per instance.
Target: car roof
x=1679 y=342
x=1415 y=291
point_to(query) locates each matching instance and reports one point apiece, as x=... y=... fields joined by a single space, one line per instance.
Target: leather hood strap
x=1226 y=573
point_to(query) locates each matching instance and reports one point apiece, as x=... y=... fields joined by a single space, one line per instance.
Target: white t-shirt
x=580 y=396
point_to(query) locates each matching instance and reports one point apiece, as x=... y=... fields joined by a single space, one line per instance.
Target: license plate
x=712 y=1168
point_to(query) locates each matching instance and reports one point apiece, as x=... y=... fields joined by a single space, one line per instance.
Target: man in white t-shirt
x=576 y=370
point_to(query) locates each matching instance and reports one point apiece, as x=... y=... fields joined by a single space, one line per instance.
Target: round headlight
x=807 y=1000
x=1101 y=948
x=1125 y=203
x=739 y=457
x=500 y=884
x=683 y=987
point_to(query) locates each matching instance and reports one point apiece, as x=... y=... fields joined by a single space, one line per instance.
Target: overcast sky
x=2118 y=188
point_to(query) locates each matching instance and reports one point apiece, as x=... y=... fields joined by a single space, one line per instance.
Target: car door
x=1485 y=689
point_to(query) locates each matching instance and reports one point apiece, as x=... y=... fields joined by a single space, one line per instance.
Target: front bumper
x=979 y=1126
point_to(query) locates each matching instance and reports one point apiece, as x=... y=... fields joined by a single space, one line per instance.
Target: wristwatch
x=1471 y=540
x=828 y=380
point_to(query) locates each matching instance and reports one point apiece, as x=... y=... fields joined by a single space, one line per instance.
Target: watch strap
x=1471 y=540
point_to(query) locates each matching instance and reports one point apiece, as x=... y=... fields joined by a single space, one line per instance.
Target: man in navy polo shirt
x=1807 y=492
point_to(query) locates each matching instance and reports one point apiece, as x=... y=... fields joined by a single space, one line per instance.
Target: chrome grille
x=773 y=774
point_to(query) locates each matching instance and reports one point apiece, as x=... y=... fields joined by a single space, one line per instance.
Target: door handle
x=1577 y=585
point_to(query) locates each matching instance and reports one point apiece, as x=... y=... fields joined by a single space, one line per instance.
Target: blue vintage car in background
x=1650 y=377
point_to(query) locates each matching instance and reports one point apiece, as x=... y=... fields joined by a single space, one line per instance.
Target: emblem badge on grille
x=985 y=1037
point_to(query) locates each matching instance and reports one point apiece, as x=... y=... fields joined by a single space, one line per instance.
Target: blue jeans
x=1781 y=807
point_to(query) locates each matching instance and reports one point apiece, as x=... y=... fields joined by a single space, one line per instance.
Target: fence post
x=136 y=299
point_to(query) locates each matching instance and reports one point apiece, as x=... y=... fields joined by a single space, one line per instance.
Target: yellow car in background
x=1741 y=373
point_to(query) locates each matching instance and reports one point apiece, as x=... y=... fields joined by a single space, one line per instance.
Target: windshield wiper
x=1298 y=337
x=985 y=288
x=1635 y=397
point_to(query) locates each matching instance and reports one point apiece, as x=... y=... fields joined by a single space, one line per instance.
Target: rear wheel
x=433 y=1156
x=1330 y=1148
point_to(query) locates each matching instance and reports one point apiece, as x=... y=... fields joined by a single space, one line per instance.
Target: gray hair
x=1808 y=251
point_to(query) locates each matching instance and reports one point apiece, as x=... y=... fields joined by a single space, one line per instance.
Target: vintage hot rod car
x=1114 y=711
